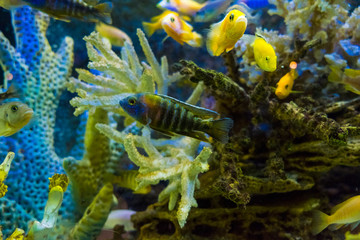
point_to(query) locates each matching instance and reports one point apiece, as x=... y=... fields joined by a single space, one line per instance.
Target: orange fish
x=175 y=27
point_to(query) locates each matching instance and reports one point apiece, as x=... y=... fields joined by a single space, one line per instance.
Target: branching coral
x=4 y=171
x=121 y=75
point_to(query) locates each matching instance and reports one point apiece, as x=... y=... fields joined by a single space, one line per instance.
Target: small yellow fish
x=264 y=53
x=350 y=78
x=224 y=34
x=345 y=213
x=285 y=84
x=186 y=7
x=175 y=27
x=113 y=34
x=13 y=117
x=127 y=179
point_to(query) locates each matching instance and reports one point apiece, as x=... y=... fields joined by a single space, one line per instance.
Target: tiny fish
x=285 y=84
x=13 y=117
x=345 y=213
x=127 y=179
x=264 y=53
x=349 y=77
x=113 y=34
x=186 y=7
x=66 y=9
x=175 y=27
x=169 y=115
x=224 y=34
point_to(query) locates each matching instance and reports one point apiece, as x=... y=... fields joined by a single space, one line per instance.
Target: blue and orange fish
x=171 y=116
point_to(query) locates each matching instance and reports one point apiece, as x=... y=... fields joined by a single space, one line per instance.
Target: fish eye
x=267 y=58
x=14 y=108
x=231 y=17
x=132 y=101
x=172 y=19
x=286 y=86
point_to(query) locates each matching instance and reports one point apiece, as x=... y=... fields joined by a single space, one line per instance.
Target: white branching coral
x=172 y=160
x=120 y=76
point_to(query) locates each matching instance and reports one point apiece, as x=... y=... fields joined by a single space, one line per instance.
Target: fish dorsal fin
x=197 y=111
x=340 y=205
x=260 y=36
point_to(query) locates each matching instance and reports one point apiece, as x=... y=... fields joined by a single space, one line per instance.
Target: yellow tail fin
x=319 y=222
x=149 y=28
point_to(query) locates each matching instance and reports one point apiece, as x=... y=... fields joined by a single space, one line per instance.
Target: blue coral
x=41 y=75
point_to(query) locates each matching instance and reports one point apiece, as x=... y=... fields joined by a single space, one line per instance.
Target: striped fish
x=79 y=9
x=171 y=116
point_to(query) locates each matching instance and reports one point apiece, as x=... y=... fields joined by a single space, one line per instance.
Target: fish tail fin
x=220 y=129
x=336 y=74
x=213 y=39
x=104 y=12
x=319 y=222
x=149 y=28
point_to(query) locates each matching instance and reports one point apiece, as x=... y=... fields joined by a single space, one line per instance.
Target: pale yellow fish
x=127 y=179
x=350 y=78
x=345 y=213
x=286 y=83
x=13 y=117
x=113 y=34
x=9 y=4
x=224 y=34
x=264 y=53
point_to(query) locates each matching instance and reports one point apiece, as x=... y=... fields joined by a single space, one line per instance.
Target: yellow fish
x=264 y=53
x=187 y=7
x=13 y=117
x=127 y=179
x=285 y=84
x=175 y=27
x=350 y=78
x=113 y=34
x=345 y=213
x=224 y=34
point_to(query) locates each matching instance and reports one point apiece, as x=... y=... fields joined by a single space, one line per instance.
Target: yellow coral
x=60 y=180
x=18 y=234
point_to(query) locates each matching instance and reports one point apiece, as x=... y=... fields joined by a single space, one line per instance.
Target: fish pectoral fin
x=334 y=227
x=292 y=91
x=197 y=111
x=354 y=225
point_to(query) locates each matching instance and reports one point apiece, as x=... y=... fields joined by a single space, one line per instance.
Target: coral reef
x=40 y=74
x=124 y=76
